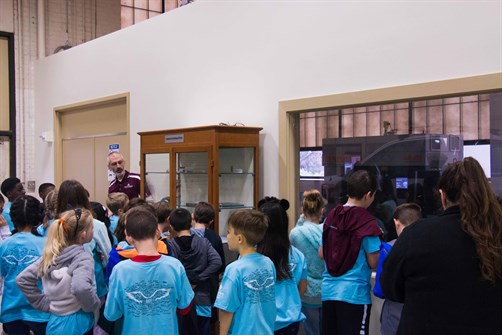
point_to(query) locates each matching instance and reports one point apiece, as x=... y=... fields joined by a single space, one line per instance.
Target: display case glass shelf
x=217 y=164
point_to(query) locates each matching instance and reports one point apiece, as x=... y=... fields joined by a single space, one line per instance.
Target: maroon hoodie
x=343 y=232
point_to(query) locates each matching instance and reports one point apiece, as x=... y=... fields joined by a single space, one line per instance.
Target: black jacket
x=201 y=262
x=434 y=269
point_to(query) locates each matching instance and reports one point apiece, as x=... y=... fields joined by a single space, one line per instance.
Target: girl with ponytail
x=307 y=238
x=67 y=274
x=448 y=269
x=290 y=266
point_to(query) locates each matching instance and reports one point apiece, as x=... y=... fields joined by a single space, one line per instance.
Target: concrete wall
x=232 y=61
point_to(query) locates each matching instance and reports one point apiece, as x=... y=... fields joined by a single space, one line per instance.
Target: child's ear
x=129 y=240
x=240 y=239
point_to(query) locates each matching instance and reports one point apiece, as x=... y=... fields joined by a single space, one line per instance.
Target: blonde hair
x=63 y=233
x=50 y=203
x=313 y=203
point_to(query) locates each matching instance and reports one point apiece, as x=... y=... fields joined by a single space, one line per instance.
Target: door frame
x=83 y=105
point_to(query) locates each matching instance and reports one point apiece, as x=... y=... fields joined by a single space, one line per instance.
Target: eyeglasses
x=78 y=214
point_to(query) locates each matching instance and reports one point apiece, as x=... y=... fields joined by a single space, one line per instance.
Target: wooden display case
x=217 y=164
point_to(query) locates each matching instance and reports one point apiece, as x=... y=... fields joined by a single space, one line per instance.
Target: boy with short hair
x=116 y=202
x=44 y=189
x=163 y=210
x=248 y=285
x=149 y=288
x=201 y=262
x=350 y=248
x=12 y=188
x=404 y=215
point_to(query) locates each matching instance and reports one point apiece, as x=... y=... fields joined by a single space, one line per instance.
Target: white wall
x=233 y=61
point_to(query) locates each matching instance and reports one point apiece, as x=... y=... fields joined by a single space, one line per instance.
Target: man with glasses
x=125 y=181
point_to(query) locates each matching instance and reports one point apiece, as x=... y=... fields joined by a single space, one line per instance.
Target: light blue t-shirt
x=17 y=253
x=114 y=221
x=247 y=289
x=287 y=297
x=147 y=295
x=6 y=215
x=353 y=286
x=307 y=238
x=43 y=231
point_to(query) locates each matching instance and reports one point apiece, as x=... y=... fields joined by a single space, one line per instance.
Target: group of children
x=149 y=269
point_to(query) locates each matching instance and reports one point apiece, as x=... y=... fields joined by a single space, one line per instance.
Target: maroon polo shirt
x=129 y=185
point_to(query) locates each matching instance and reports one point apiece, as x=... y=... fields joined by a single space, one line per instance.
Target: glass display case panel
x=157 y=176
x=236 y=182
x=191 y=178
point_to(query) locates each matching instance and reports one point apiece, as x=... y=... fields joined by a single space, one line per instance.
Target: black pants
x=342 y=318
x=21 y=327
x=291 y=329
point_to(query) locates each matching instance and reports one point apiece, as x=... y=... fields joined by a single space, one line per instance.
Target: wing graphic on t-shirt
x=140 y=298
x=292 y=267
x=255 y=285
x=27 y=259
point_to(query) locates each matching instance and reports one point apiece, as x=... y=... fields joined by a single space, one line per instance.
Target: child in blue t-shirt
x=149 y=288
x=116 y=202
x=350 y=248
x=16 y=253
x=404 y=215
x=290 y=266
x=247 y=289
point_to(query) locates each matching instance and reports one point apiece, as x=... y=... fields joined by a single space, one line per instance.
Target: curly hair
x=26 y=212
x=464 y=183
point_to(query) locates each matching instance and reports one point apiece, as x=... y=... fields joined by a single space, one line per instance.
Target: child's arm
x=114 y=304
x=27 y=283
x=225 y=321
x=302 y=287
x=100 y=235
x=372 y=259
x=82 y=270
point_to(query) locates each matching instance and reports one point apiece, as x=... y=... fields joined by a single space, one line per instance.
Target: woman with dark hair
x=17 y=253
x=290 y=266
x=447 y=270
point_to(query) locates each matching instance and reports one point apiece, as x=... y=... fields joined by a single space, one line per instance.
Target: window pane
x=469 y=98
x=484 y=120
x=127 y=3
x=310 y=132
x=126 y=17
x=333 y=125
x=452 y=119
x=155 y=5
x=347 y=125
x=140 y=15
x=143 y=4
x=321 y=128
x=359 y=125
x=419 y=119
x=402 y=118
x=435 y=120
x=470 y=121
x=374 y=122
